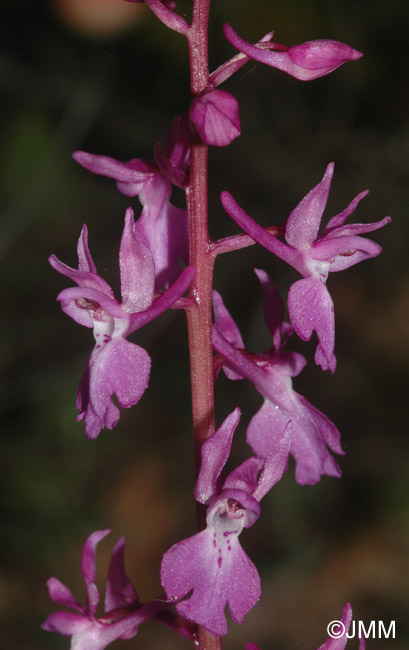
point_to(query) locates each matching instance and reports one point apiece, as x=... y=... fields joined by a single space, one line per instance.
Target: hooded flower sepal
x=307 y=61
x=314 y=256
x=116 y=366
x=271 y=373
x=212 y=562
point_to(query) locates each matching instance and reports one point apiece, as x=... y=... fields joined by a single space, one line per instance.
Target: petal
x=224 y=322
x=273 y=307
x=311 y=308
x=245 y=476
x=339 y=219
x=215 y=116
x=60 y=594
x=304 y=221
x=130 y=175
x=275 y=465
x=86 y=279
x=344 y=246
x=67 y=623
x=88 y=568
x=266 y=428
x=136 y=268
x=312 y=432
x=119 y=368
x=339 y=643
x=215 y=452
x=177 y=142
x=163 y=228
x=87 y=306
x=289 y=364
x=85 y=261
x=357 y=228
x=217 y=575
x=119 y=591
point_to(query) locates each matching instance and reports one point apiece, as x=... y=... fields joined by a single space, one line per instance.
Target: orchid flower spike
x=271 y=373
x=162 y=227
x=305 y=62
x=116 y=366
x=212 y=562
x=123 y=612
x=314 y=256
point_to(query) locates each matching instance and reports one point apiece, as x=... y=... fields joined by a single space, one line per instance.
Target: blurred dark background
x=80 y=74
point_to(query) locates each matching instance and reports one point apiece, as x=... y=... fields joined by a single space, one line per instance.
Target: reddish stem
x=200 y=256
x=200 y=319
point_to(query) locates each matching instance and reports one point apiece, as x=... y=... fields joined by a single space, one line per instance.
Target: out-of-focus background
x=106 y=77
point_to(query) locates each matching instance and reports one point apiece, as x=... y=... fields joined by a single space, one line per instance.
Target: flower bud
x=215 y=117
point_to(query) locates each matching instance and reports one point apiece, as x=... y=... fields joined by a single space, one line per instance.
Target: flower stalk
x=200 y=256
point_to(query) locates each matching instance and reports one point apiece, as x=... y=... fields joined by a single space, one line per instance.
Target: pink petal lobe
x=162 y=227
x=311 y=308
x=304 y=221
x=273 y=307
x=275 y=465
x=215 y=452
x=67 y=623
x=224 y=322
x=217 y=572
x=119 y=368
x=88 y=568
x=136 y=268
x=119 y=591
x=60 y=594
x=85 y=261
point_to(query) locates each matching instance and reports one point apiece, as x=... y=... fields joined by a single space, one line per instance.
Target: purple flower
x=215 y=116
x=338 y=247
x=271 y=373
x=115 y=365
x=162 y=227
x=306 y=61
x=123 y=612
x=212 y=563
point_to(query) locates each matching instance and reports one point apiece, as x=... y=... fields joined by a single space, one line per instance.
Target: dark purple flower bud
x=215 y=117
